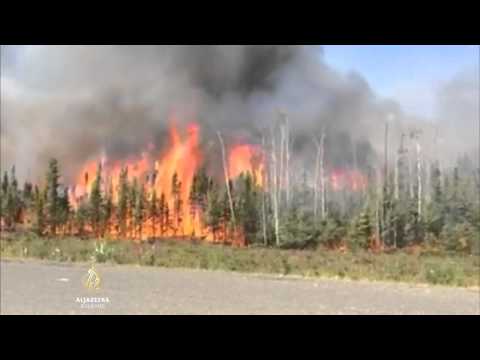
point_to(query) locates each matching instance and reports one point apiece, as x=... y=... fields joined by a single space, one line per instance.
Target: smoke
x=78 y=102
x=458 y=111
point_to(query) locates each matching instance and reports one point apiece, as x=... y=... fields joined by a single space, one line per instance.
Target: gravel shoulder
x=36 y=287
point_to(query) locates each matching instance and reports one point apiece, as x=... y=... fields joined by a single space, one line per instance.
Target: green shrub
x=148 y=258
x=435 y=267
x=103 y=252
x=442 y=274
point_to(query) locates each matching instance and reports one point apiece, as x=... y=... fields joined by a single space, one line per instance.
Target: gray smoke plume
x=459 y=114
x=78 y=102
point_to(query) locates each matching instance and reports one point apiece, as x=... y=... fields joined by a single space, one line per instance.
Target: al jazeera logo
x=92 y=282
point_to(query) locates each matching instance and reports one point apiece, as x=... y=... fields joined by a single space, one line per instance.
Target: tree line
x=412 y=204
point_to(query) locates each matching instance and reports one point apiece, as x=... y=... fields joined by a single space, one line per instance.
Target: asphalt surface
x=34 y=287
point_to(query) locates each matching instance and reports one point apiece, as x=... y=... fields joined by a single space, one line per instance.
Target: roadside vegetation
x=418 y=265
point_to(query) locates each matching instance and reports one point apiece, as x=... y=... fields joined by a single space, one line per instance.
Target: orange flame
x=182 y=156
x=348 y=179
x=246 y=158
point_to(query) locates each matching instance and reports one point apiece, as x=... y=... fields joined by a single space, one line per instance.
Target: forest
x=405 y=202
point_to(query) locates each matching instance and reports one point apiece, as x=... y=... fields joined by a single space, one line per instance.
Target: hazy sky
x=410 y=74
x=104 y=91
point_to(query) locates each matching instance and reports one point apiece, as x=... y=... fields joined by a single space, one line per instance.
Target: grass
x=422 y=267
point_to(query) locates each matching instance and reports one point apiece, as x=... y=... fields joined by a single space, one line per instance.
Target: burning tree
x=250 y=197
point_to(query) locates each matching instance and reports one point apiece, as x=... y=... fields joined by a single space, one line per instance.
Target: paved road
x=34 y=287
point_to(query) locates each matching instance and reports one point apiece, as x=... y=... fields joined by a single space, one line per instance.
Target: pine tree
x=107 y=212
x=3 y=199
x=5 y=183
x=82 y=216
x=122 y=205
x=214 y=211
x=247 y=207
x=193 y=199
x=3 y=196
x=414 y=225
x=52 y=200
x=64 y=210
x=226 y=220
x=139 y=211
x=13 y=206
x=96 y=203
x=27 y=193
x=132 y=203
x=39 y=200
x=153 y=213
x=363 y=231
x=25 y=200
x=177 y=203
x=435 y=211
x=16 y=196
x=388 y=224
x=203 y=184
x=436 y=183
x=163 y=215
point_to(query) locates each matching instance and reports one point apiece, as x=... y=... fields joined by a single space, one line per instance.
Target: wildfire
x=246 y=158
x=83 y=183
x=347 y=179
x=182 y=156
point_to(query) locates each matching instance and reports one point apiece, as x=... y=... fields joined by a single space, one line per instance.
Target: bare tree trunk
x=396 y=185
x=275 y=190
x=419 y=179
x=319 y=175
x=281 y=181
x=315 y=180
x=227 y=179
x=436 y=150
x=264 y=215
x=287 y=165
x=385 y=182
x=322 y=176
x=377 y=211
x=433 y=160
x=396 y=197
x=428 y=177
x=410 y=181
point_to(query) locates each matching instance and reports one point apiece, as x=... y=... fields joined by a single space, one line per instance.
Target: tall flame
x=246 y=158
x=182 y=156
